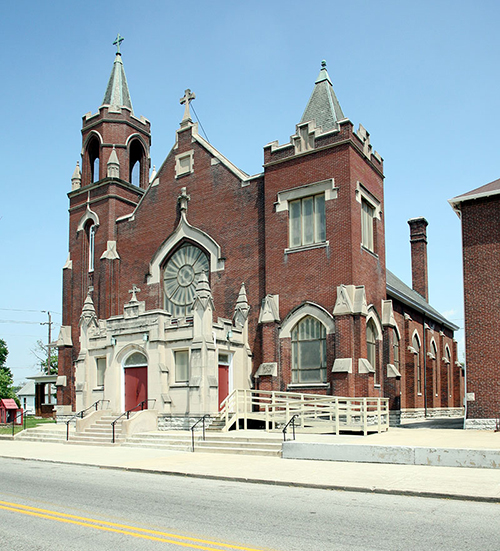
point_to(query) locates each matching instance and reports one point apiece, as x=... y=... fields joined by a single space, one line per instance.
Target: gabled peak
x=323 y=107
x=117 y=94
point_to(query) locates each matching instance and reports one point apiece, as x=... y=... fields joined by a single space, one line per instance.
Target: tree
x=40 y=351
x=6 y=378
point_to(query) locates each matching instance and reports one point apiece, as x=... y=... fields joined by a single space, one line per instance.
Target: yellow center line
x=120 y=528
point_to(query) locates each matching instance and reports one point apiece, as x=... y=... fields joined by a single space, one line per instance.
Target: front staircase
x=229 y=442
x=100 y=433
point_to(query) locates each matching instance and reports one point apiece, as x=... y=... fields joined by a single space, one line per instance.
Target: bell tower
x=113 y=178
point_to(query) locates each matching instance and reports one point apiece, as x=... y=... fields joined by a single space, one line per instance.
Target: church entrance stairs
x=99 y=433
x=55 y=434
x=243 y=442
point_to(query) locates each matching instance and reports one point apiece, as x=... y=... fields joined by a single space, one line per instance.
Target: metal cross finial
x=133 y=291
x=323 y=64
x=186 y=100
x=117 y=42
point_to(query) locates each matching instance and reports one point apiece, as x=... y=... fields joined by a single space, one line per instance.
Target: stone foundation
x=481 y=424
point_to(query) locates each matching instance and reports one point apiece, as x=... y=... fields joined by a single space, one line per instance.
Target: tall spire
x=117 y=93
x=323 y=106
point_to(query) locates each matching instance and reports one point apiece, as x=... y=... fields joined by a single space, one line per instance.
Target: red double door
x=136 y=387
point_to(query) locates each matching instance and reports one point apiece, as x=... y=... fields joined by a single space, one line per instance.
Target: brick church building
x=186 y=283
x=479 y=211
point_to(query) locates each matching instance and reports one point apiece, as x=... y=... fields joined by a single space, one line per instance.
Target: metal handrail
x=127 y=413
x=81 y=415
x=200 y=420
x=292 y=422
x=21 y=413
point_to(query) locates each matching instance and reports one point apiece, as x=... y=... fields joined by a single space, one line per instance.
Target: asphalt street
x=46 y=506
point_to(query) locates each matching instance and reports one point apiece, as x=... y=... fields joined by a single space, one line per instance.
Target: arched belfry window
x=181 y=273
x=136 y=165
x=93 y=151
x=309 y=351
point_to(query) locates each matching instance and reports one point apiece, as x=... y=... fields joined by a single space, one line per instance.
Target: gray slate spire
x=117 y=93
x=323 y=106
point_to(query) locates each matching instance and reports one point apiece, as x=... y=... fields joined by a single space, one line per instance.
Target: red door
x=136 y=386
x=223 y=382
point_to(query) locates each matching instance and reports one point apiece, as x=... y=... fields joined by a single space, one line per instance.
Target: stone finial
x=153 y=175
x=186 y=100
x=113 y=165
x=76 y=179
x=183 y=200
x=242 y=307
x=88 y=310
x=133 y=292
x=269 y=310
x=203 y=293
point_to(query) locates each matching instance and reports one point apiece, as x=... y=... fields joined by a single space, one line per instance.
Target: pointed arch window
x=309 y=351
x=435 y=366
x=136 y=166
x=448 y=366
x=136 y=359
x=180 y=277
x=371 y=348
x=93 y=151
x=395 y=348
x=418 y=367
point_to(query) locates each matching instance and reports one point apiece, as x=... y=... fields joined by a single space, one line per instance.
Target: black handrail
x=127 y=413
x=292 y=422
x=200 y=420
x=21 y=413
x=81 y=415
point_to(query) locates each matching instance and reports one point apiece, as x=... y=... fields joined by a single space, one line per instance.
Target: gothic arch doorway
x=135 y=369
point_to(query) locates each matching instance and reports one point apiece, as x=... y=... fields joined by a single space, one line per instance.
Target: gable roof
x=400 y=291
x=8 y=403
x=493 y=188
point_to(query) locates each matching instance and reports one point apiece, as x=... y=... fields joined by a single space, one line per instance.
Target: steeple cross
x=186 y=100
x=117 y=42
x=133 y=291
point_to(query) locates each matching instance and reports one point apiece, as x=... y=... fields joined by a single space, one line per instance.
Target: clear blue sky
x=422 y=77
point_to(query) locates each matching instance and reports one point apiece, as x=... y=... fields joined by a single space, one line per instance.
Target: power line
x=35 y=311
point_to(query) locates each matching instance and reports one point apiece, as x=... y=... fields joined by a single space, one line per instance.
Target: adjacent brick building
x=479 y=211
x=198 y=279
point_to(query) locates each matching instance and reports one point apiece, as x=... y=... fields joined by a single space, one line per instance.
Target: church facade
x=197 y=279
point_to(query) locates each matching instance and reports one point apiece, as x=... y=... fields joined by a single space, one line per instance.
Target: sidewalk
x=421 y=480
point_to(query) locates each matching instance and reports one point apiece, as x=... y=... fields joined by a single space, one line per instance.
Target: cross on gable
x=186 y=100
x=117 y=42
x=133 y=291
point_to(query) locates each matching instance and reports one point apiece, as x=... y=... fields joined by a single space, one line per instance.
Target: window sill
x=369 y=251
x=98 y=389
x=321 y=245
x=297 y=386
x=180 y=385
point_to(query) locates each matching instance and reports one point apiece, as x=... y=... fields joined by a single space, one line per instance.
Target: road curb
x=311 y=485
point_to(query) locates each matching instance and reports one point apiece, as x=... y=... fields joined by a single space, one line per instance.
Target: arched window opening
x=309 y=351
x=90 y=232
x=395 y=348
x=136 y=359
x=416 y=346
x=136 y=156
x=371 y=348
x=93 y=151
x=435 y=366
x=181 y=274
x=448 y=365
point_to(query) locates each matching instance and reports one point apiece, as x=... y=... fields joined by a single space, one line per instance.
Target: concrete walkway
x=422 y=480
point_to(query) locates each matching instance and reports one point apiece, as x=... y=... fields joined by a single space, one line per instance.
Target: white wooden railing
x=314 y=410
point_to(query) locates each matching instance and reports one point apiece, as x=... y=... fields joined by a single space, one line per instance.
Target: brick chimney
x=418 y=240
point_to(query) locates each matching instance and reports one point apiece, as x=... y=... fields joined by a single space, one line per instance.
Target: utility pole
x=49 y=323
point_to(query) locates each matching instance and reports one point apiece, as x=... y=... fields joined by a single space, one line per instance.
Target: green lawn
x=30 y=423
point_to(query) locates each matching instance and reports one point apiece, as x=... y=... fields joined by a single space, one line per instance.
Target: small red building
x=9 y=411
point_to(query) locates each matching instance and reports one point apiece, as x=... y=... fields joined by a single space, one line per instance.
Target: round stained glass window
x=180 y=277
